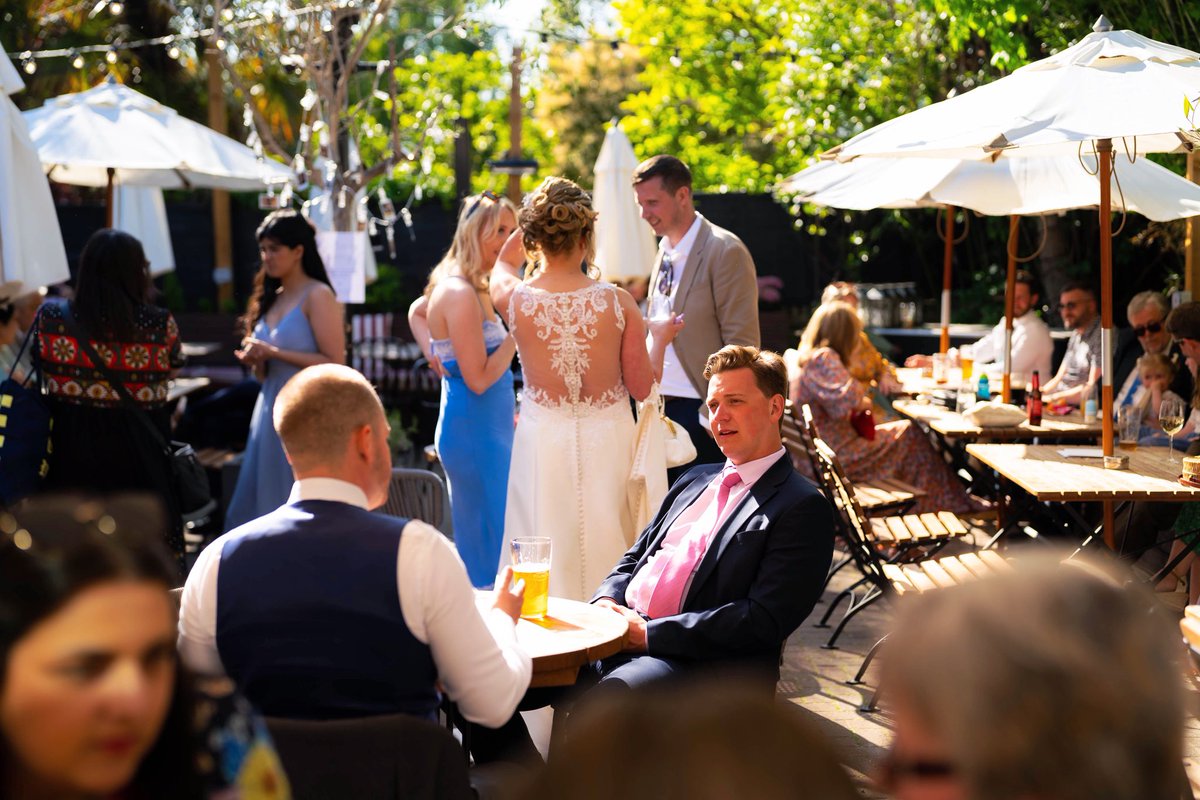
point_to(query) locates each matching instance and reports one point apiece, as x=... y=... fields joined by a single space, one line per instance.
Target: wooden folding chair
x=884 y=496
x=914 y=538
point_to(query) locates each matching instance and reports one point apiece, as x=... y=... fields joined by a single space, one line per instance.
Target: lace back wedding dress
x=574 y=439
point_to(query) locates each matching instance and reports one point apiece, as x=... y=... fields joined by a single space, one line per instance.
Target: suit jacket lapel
x=695 y=262
x=763 y=490
x=685 y=499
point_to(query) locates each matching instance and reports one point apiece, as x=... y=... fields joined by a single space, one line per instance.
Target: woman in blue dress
x=293 y=321
x=464 y=339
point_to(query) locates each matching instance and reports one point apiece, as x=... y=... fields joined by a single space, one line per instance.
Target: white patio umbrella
x=1110 y=85
x=31 y=245
x=113 y=134
x=1007 y=186
x=624 y=241
x=140 y=211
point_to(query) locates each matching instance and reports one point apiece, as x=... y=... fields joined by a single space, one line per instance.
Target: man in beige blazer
x=703 y=274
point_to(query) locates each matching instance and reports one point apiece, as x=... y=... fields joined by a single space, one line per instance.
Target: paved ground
x=815 y=679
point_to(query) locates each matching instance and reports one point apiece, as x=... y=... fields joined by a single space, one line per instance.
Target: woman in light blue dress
x=458 y=329
x=293 y=321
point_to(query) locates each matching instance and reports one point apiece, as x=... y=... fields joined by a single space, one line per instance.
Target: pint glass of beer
x=531 y=563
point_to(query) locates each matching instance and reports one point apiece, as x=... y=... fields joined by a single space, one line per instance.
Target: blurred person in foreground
x=697 y=740
x=93 y=703
x=1051 y=681
x=323 y=609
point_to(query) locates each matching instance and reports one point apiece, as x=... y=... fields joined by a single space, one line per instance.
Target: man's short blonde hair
x=770 y=373
x=318 y=411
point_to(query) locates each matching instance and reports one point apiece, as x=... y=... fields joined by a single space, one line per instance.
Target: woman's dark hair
x=290 y=229
x=53 y=548
x=6 y=312
x=112 y=282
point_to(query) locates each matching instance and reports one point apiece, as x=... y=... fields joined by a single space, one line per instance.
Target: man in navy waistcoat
x=325 y=610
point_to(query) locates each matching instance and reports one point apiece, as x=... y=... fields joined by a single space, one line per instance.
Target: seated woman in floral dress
x=899 y=450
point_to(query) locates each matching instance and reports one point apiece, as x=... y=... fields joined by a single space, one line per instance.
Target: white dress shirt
x=480 y=665
x=1032 y=349
x=675 y=381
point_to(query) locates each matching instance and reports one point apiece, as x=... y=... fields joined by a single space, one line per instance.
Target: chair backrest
x=416 y=494
x=372 y=758
x=855 y=526
x=795 y=441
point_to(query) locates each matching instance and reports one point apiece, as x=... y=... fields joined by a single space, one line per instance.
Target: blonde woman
x=583 y=354
x=898 y=450
x=457 y=327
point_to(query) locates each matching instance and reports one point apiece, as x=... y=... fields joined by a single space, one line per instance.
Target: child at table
x=1155 y=372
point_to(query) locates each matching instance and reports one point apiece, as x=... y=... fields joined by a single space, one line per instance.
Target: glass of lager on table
x=1129 y=427
x=531 y=563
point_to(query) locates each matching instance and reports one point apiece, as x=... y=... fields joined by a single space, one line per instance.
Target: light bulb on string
x=173 y=52
x=77 y=61
x=30 y=63
x=116 y=8
x=676 y=61
x=111 y=56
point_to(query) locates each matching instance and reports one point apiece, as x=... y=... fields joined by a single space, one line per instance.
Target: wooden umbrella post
x=1104 y=149
x=1010 y=288
x=947 y=259
x=108 y=199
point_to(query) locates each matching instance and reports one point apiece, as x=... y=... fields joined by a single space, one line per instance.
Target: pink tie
x=667 y=596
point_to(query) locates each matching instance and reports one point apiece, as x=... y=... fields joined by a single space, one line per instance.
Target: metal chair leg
x=862 y=670
x=869 y=597
x=837 y=601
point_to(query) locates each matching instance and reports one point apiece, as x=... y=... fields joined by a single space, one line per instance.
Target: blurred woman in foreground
x=92 y=701
x=1052 y=681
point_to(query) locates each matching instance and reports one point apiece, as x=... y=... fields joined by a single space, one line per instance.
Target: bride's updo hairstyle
x=556 y=217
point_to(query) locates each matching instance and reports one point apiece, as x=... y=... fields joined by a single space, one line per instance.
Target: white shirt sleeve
x=986 y=349
x=1033 y=348
x=198 y=615
x=479 y=663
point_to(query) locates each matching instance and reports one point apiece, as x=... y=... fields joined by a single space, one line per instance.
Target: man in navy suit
x=736 y=558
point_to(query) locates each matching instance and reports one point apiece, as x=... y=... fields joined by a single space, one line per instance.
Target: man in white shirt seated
x=325 y=610
x=1032 y=347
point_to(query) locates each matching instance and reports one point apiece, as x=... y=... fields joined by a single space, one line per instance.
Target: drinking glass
x=940 y=367
x=1129 y=427
x=1170 y=418
x=966 y=359
x=531 y=563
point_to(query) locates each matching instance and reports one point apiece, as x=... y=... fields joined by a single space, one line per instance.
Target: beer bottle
x=1034 y=401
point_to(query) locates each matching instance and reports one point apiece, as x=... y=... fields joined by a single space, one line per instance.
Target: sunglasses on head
x=487 y=193
x=1142 y=330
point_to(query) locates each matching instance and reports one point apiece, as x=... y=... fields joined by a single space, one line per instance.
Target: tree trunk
x=1052 y=264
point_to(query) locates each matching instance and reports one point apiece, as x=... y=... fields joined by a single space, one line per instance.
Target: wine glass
x=1170 y=418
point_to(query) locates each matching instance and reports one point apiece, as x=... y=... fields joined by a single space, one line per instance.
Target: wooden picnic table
x=1046 y=475
x=1057 y=481
x=951 y=424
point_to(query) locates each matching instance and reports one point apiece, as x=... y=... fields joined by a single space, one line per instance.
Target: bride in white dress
x=582 y=344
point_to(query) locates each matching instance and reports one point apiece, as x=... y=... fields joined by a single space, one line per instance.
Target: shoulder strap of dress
x=616 y=300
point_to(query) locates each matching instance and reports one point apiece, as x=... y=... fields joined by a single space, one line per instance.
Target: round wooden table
x=570 y=635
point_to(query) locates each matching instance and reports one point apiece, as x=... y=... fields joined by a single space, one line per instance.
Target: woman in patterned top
x=97 y=442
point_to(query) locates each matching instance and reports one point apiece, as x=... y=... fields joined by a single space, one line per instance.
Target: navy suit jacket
x=761 y=576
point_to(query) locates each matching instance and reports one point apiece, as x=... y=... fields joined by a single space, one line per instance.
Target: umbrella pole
x=947 y=257
x=1010 y=288
x=108 y=199
x=1104 y=150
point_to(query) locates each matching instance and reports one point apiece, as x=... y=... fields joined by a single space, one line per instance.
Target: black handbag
x=25 y=425
x=188 y=477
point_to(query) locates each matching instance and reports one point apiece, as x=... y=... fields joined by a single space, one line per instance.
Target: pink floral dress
x=899 y=449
